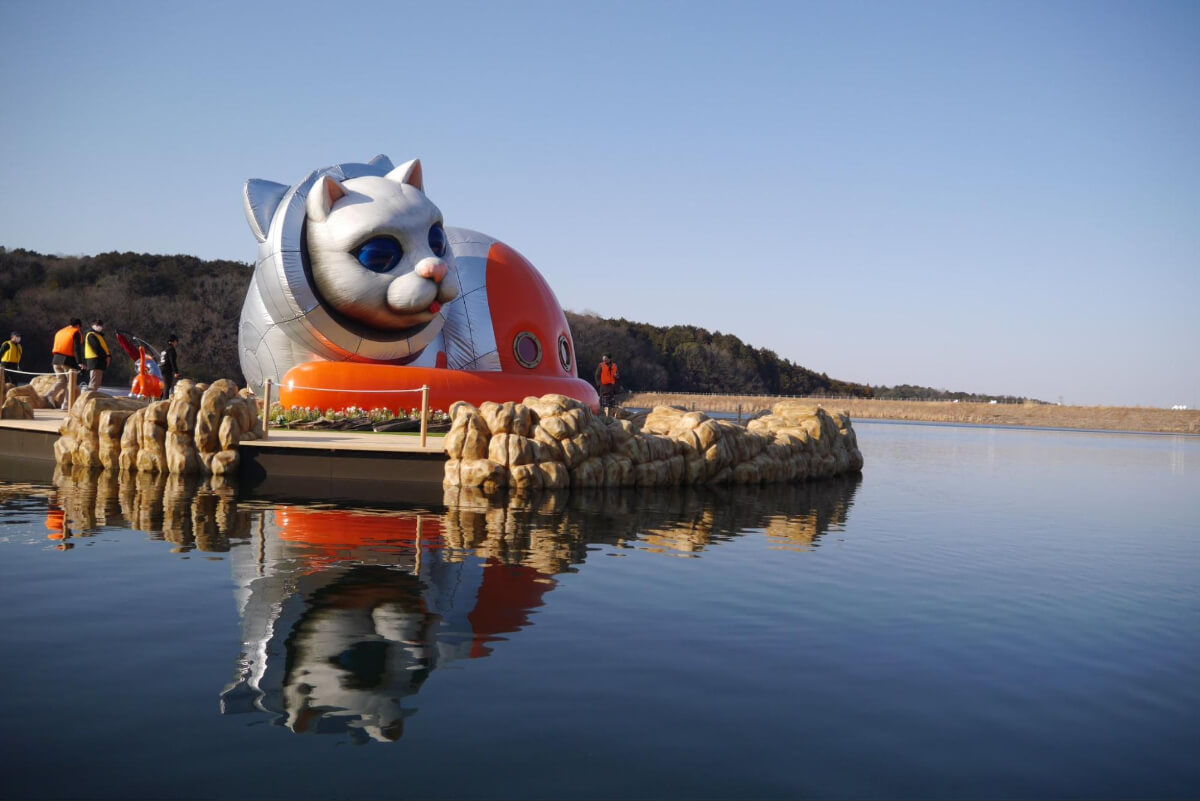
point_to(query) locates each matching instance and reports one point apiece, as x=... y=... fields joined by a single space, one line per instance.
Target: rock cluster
x=16 y=408
x=35 y=395
x=19 y=402
x=195 y=432
x=554 y=442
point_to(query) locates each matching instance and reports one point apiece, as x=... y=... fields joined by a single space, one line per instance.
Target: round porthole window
x=527 y=349
x=564 y=353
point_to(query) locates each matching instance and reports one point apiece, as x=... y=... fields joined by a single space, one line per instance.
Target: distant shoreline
x=1099 y=418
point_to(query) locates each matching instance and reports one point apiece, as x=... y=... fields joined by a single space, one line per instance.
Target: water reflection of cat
x=355 y=610
x=371 y=635
x=365 y=641
x=347 y=612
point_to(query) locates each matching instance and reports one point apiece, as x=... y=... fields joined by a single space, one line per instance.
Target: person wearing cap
x=95 y=351
x=606 y=382
x=10 y=355
x=67 y=354
x=168 y=364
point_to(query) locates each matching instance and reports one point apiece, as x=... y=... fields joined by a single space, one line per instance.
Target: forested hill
x=148 y=295
x=153 y=296
x=684 y=358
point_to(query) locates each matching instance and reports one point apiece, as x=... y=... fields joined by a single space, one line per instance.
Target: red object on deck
x=145 y=384
x=337 y=385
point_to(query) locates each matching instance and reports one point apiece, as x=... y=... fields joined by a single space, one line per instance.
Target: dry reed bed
x=1103 y=418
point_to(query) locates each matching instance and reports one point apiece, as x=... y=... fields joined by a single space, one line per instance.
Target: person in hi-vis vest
x=67 y=355
x=10 y=356
x=606 y=383
x=95 y=351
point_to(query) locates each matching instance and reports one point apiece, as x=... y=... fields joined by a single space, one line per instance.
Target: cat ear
x=259 y=201
x=408 y=173
x=324 y=193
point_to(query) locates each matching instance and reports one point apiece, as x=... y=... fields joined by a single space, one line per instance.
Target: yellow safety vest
x=12 y=354
x=89 y=351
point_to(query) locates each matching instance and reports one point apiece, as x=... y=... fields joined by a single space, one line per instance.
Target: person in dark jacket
x=168 y=363
x=95 y=352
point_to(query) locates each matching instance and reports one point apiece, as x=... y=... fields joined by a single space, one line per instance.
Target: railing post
x=424 y=413
x=266 y=413
x=71 y=387
x=3 y=390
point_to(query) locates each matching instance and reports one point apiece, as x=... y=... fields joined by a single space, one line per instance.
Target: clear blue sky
x=995 y=197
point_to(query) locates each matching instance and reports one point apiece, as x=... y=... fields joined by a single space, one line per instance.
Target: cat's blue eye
x=379 y=254
x=437 y=240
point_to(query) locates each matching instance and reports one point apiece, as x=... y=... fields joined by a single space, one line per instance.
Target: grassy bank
x=1104 y=418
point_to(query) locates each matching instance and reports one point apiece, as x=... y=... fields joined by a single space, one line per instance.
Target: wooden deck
x=344 y=464
x=31 y=440
x=369 y=441
x=326 y=464
x=43 y=420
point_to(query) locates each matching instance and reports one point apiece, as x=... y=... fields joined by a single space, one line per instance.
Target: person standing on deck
x=95 y=351
x=606 y=382
x=10 y=355
x=168 y=364
x=67 y=355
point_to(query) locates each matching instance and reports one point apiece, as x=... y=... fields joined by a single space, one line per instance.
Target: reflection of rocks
x=813 y=510
x=19 y=491
x=145 y=508
x=88 y=499
x=184 y=510
x=550 y=530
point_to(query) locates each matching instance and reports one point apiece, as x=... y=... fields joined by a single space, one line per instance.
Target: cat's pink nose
x=433 y=269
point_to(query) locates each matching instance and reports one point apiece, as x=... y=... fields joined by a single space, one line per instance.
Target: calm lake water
x=984 y=613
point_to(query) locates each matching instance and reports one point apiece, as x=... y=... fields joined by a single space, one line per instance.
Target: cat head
x=377 y=250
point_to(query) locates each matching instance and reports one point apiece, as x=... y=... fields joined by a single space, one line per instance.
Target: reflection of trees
x=347 y=612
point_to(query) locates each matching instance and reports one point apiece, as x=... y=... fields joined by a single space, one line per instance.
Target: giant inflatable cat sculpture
x=360 y=290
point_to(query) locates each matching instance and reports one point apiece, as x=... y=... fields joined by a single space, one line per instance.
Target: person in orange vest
x=606 y=382
x=68 y=353
x=95 y=350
